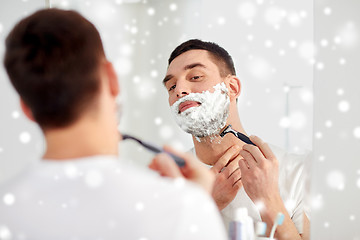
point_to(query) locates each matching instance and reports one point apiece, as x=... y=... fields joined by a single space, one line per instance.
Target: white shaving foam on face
x=208 y=118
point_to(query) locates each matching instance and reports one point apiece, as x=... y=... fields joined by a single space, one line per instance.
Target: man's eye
x=195 y=77
x=172 y=87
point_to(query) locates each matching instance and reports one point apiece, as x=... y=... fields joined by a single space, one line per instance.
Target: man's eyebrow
x=193 y=65
x=167 y=78
x=187 y=67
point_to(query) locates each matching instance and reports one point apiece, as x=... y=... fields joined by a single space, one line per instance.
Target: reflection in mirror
x=270 y=43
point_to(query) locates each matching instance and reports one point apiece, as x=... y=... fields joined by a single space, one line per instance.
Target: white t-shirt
x=99 y=198
x=291 y=187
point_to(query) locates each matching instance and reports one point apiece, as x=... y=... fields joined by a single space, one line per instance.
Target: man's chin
x=213 y=138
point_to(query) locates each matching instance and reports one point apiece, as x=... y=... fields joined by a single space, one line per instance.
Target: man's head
x=195 y=69
x=196 y=66
x=217 y=54
x=52 y=58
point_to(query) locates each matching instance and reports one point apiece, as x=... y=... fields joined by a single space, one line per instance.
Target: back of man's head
x=52 y=58
x=219 y=55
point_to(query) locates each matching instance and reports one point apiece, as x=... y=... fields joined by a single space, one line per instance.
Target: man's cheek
x=171 y=101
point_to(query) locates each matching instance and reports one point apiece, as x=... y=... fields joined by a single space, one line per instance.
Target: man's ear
x=234 y=87
x=26 y=110
x=113 y=80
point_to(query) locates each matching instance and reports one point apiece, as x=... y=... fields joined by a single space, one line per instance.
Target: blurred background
x=272 y=43
x=335 y=167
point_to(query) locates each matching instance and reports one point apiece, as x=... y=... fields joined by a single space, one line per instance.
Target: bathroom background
x=273 y=43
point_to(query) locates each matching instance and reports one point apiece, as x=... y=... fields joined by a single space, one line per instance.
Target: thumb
x=165 y=166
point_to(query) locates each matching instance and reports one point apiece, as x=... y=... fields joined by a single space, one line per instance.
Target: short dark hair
x=220 y=56
x=52 y=58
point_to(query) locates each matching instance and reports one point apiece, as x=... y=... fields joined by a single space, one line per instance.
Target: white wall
x=20 y=140
x=336 y=165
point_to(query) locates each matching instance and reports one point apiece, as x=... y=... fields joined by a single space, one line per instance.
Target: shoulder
x=292 y=176
x=289 y=162
x=111 y=190
x=105 y=176
x=292 y=173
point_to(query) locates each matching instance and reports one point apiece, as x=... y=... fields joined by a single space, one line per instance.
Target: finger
x=189 y=159
x=230 y=154
x=263 y=146
x=238 y=184
x=243 y=166
x=235 y=176
x=231 y=167
x=255 y=152
x=193 y=170
x=152 y=165
x=193 y=167
x=251 y=161
x=166 y=166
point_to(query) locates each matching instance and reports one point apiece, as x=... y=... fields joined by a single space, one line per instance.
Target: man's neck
x=209 y=150
x=86 y=137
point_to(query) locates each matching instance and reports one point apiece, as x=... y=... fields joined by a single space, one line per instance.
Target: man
x=79 y=190
x=203 y=91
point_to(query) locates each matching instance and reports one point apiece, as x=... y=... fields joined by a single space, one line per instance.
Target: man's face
x=191 y=72
x=198 y=96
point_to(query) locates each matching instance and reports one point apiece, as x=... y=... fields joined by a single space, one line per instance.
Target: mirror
x=270 y=42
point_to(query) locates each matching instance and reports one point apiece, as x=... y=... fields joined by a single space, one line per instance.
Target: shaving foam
x=208 y=118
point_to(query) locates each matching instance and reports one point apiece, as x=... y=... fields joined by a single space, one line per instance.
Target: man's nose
x=181 y=89
x=182 y=94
